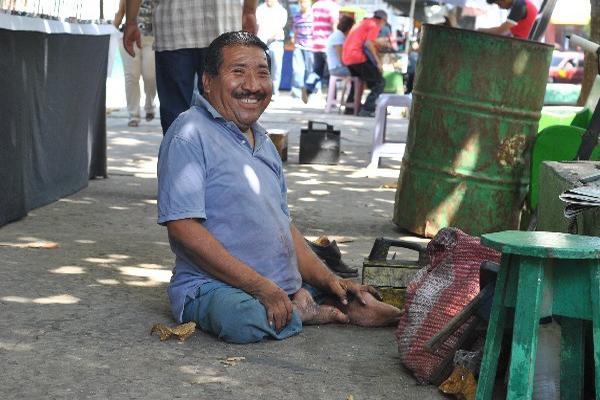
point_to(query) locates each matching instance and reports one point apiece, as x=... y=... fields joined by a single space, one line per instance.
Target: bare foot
x=312 y=314
x=374 y=313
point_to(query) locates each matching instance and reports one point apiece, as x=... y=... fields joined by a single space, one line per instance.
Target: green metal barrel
x=475 y=111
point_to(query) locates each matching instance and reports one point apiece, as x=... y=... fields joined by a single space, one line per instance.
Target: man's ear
x=206 y=82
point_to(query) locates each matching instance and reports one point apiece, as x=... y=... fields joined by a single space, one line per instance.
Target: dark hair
x=380 y=14
x=214 y=53
x=345 y=23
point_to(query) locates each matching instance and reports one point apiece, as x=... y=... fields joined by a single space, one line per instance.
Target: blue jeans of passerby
x=234 y=316
x=175 y=72
x=320 y=66
x=276 y=54
x=303 y=74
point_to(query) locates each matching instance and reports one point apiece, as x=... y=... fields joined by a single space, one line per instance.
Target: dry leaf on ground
x=461 y=384
x=182 y=331
x=232 y=361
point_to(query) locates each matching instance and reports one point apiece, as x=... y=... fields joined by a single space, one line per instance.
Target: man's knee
x=235 y=316
x=239 y=319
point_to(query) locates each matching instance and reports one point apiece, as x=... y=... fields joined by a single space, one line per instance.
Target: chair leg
x=595 y=287
x=378 y=133
x=571 y=358
x=525 y=328
x=358 y=90
x=341 y=100
x=495 y=333
x=331 y=92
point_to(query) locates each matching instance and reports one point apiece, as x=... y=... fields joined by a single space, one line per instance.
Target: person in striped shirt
x=325 y=19
x=304 y=79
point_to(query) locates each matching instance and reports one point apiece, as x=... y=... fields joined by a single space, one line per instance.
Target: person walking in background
x=326 y=14
x=401 y=38
x=304 y=78
x=368 y=69
x=271 y=18
x=413 y=57
x=183 y=29
x=142 y=64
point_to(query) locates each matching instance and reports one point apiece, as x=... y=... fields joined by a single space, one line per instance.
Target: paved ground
x=76 y=320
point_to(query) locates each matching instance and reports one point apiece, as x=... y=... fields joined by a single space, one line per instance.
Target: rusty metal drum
x=476 y=105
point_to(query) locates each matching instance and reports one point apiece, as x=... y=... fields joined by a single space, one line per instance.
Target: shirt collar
x=259 y=131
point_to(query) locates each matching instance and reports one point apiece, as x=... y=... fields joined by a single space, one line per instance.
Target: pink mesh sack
x=436 y=294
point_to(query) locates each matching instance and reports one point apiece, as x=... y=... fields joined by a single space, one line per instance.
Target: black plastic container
x=319 y=146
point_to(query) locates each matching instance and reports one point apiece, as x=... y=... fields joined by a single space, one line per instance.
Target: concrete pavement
x=76 y=320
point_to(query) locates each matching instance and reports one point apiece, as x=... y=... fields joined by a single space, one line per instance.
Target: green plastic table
x=543 y=274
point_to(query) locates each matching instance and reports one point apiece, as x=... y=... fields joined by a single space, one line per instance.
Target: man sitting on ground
x=243 y=271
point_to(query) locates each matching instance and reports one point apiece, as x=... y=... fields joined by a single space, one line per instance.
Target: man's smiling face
x=242 y=89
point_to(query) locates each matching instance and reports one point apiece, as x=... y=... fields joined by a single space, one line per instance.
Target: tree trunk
x=591 y=63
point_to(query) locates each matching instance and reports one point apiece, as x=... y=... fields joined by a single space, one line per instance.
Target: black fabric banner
x=52 y=117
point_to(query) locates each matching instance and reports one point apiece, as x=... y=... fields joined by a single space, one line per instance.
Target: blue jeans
x=234 y=316
x=175 y=71
x=320 y=66
x=304 y=76
x=276 y=54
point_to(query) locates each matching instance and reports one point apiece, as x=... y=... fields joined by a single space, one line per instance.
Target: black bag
x=319 y=146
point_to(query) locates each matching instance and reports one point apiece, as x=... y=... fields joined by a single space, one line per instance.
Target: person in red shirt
x=519 y=21
x=362 y=58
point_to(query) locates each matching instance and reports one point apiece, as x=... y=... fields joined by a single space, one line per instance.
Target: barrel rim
x=510 y=38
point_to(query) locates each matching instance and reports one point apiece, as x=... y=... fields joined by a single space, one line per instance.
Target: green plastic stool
x=543 y=274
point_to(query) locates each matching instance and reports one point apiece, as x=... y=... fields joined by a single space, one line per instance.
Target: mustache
x=259 y=94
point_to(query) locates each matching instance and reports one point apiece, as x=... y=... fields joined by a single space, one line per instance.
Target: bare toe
x=329 y=314
x=374 y=313
x=312 y=314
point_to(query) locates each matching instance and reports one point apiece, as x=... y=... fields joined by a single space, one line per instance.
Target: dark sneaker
x=365 y=113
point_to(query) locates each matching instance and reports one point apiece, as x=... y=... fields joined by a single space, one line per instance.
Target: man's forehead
x=245 y=54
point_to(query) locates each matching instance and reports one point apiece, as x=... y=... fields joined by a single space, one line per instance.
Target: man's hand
x=131 y=34
x=342 y=287
x=277 y=303
x=249 y=23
